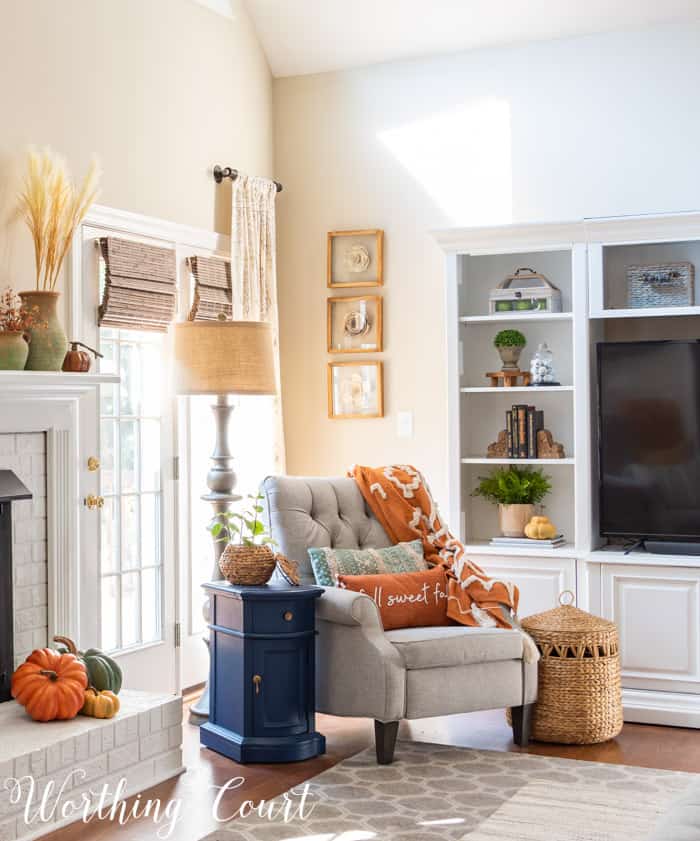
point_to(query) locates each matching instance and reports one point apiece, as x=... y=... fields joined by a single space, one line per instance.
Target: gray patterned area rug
x=439 y=793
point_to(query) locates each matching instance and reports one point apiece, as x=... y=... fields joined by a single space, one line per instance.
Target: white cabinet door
x=657 y=611
x=540 y=580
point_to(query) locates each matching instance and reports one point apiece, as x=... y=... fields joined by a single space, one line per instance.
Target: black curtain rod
x=226 y=172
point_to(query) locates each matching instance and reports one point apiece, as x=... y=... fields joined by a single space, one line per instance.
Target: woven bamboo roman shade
x=212 y=289
x=139 y=291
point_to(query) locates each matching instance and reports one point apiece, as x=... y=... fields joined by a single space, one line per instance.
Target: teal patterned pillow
x=328 y=563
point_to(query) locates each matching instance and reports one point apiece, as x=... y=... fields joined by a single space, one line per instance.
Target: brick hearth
x=142 y=745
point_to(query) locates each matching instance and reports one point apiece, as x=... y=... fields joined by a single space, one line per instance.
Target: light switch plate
x=404 y=424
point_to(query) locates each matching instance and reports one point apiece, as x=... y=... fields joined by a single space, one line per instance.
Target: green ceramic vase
x=14 y=349
x=49 y=344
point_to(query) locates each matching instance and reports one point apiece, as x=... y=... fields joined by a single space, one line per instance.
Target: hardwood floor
x=642 y=745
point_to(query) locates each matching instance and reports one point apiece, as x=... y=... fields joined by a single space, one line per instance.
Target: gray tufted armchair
x=409 y=673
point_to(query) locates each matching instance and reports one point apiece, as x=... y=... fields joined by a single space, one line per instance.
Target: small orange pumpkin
x=50 y=685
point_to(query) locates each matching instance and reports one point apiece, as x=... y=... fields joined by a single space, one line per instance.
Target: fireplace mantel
x=49 y=384
x=47 y=401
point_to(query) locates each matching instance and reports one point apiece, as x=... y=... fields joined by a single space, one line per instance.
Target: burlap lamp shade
x=224 y=357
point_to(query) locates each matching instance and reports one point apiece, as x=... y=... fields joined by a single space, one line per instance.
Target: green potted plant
x=248 y=557
x=16 y=321
x=516 y=491
x=509 y=344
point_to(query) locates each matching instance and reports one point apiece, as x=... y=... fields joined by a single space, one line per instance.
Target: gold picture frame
x=355 y=394
x=354 y=324
x=360 y=261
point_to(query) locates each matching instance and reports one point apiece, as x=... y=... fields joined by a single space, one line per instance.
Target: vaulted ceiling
x=314 y=36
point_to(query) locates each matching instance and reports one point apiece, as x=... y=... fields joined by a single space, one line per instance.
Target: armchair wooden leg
x=522 y=721
x=385 y=733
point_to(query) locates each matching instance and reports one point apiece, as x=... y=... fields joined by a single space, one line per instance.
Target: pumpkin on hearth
x=103 y=671
x=540 y=528
x=97 y=704
x=50 y=685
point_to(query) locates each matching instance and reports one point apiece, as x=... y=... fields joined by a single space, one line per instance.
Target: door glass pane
x=129 y=455
x=150 y=530
x=108 y=447
x=150 y=604
x=111 y=623
x=131 y=609
x=131 y=524
x=109 y=537
x=150 y=455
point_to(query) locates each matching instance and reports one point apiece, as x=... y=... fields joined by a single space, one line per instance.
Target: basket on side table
x=579 y=699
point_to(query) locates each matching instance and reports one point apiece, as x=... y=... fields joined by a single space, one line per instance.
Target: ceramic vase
x=14 y=349
x=512 y=519
x=510 y=355
x=49 y=344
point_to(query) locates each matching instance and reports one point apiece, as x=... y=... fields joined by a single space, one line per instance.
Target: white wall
x=593 y=126
x=159 y=90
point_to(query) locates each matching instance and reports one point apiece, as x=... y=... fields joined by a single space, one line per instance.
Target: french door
x=129 y=557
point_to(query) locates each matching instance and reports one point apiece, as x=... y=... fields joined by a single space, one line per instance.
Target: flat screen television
x=649 y=439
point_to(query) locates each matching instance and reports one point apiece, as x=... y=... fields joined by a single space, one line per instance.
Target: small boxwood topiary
x=510 y=338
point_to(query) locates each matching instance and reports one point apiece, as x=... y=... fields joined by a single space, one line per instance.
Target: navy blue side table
x=262 y=680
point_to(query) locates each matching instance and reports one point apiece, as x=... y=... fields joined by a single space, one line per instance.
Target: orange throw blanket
x=401 y=500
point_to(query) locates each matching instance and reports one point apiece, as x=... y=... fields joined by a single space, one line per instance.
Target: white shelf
x=641 y=558
x=491 y=389
x=53 y=378
x=483 y=460
x=568 y=550
x=645 y=312
x=516 y=316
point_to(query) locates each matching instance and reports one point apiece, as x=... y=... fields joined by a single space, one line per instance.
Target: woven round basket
x=248 y=565
x=579 y=696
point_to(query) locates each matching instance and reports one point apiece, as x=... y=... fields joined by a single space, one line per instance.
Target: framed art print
x=355 y=390
x=354 y=325
x=355 y=258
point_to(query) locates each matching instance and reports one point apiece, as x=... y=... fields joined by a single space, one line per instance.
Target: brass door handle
x=91 y=501
x=93 y=464
x=257 y=680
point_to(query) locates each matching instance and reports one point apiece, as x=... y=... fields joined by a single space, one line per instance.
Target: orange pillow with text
x=405 y=599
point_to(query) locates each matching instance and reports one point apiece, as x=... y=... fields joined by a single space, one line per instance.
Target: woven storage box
x=579 y=696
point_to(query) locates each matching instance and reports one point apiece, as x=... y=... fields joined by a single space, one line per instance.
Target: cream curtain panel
x=254 y=279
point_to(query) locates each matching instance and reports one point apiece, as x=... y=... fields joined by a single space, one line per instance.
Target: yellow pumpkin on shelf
x=540 y=528
x=98 y=704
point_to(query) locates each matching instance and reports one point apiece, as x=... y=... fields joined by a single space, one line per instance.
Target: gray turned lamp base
x=221 y=480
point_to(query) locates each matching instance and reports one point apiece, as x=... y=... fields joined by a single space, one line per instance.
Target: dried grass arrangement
x=52 y=206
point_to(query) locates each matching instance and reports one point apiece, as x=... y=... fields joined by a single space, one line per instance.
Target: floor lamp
x=222 y=358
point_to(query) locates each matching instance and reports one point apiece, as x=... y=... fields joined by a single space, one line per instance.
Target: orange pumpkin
x=50 y=685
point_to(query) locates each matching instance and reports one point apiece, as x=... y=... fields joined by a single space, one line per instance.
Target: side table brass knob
x=257 y=680
x=288 y=616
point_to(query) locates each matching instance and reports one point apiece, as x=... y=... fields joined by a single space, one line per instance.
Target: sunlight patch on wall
x=462 y=159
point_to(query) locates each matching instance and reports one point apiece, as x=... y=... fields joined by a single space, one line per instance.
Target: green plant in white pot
x=509 y=344
x=516 y=491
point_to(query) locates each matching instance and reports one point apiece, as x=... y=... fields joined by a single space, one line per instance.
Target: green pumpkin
x=103 y=672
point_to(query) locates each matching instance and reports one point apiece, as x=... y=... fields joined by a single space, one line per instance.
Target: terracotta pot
x=510 y=356
x=14 y=349
x=49 y=344
x=512 y=519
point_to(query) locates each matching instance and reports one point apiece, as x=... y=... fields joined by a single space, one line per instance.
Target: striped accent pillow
x=329 y=563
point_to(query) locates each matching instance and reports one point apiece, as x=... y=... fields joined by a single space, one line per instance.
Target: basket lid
x=568 y=619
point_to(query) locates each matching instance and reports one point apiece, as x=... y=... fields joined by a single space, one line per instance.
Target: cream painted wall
x=592 y=126
x=159 y=89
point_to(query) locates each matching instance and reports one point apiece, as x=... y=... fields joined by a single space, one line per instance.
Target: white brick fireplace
x=25 y=454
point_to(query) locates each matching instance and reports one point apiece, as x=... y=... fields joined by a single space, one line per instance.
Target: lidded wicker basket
x=247 y=565
x=579 y=697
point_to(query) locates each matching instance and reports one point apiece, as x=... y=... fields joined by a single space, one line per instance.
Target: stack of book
x=522 y=425
x=527 y=542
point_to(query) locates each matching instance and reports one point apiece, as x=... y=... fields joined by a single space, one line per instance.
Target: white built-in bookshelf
x=587 y=261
